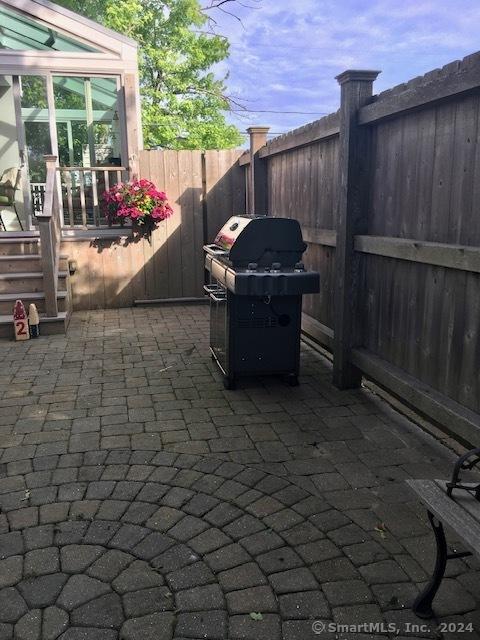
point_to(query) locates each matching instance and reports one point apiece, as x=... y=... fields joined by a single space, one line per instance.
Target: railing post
x=257 y=187
x=47 y=226
x=133 y=123
x=352 y=219
x=50 y=161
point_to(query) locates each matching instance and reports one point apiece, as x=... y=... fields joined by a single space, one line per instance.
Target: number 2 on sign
x=21 y=330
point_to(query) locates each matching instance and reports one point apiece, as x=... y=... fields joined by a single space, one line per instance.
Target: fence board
x=148 y=253
x=158 y=268
x=225 y=195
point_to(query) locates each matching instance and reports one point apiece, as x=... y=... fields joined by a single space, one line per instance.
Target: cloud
x=285 y=54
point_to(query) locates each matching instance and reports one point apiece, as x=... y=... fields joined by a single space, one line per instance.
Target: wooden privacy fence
x=387 y=191
x=115 y=270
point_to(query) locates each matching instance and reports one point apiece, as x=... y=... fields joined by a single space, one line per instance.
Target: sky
x=285 y=54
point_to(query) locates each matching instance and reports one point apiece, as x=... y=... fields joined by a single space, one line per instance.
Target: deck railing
x=82 y=189
x=49 y=226
x=37 y=194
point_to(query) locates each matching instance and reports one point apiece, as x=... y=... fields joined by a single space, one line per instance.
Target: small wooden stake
x=20 y=322
x=33 y=321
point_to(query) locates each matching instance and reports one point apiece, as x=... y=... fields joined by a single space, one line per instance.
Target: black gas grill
x=256 y=287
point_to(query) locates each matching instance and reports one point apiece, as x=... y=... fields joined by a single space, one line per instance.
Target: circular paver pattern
x=161 y=546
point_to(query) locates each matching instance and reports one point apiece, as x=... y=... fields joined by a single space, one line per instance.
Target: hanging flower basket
x=138 y=201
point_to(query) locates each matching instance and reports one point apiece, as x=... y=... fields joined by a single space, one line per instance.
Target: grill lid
x=263 y=240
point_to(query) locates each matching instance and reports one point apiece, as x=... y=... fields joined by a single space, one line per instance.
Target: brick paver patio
x=140 y=500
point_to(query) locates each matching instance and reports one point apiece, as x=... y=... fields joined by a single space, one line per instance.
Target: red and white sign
x=20 y=321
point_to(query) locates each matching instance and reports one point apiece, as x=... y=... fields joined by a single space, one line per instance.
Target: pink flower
x=134 y=213
x=138 y=200
x=161 y=212
x=157 y=213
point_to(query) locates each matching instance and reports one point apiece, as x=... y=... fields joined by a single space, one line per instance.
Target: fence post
x=356 y=91
x=257 y=188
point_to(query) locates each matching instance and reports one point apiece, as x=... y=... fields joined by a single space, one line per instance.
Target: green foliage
x=182 y=100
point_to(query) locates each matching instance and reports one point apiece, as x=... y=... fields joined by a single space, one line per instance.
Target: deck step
x=19 y=246
x=48 y=326
x=15 y=263
x=20 y=263
x=28 y=281
x=7 y=300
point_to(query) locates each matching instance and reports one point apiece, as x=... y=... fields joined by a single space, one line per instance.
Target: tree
x=183 y=102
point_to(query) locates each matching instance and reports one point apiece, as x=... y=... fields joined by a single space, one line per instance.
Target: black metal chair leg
x=422 y=606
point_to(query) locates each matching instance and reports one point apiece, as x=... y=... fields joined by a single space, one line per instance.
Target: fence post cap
x=259 y=129
x=357 y=76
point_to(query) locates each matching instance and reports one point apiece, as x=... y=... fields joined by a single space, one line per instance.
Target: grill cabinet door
x=266 y=334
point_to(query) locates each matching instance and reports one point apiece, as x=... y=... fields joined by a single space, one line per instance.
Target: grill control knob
x=252 y=266
x=299 y=266
x=276 y=266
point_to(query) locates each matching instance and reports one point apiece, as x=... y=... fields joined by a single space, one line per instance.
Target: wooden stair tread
x=21 y=256
x=17 y=239
x=18 y=275
x=62 y=315
x=28 y=295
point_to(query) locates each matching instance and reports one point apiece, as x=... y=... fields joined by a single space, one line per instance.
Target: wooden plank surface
x=324 y=237
x=322 y=129
x=159 y=238
x=173 y=224
x=462 y=257
x=456 y=419
x=317 y=331
x=199 y=238
x=468 y=380
x=244 y=159
x=223 y=196
x=464 y=499
x=455 y=78
x=452 y=515
x=188 y=193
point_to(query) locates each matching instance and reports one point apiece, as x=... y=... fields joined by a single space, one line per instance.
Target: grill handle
x=216 y=299
x=212 y=288
x=214 y=250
